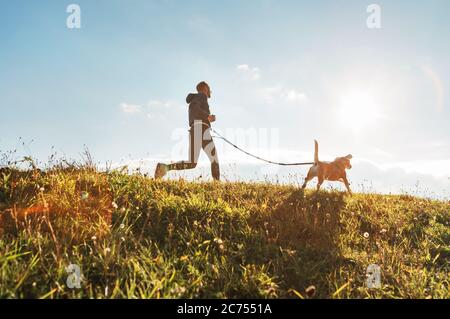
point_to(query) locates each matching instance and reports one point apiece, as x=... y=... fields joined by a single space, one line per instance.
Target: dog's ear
x=349 y=156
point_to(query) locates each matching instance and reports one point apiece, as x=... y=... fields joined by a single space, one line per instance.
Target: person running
x=200 y=119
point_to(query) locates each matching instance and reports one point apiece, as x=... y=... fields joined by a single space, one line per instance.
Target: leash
x=219 y=136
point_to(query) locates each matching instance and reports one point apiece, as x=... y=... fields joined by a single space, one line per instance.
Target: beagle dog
x=330 y=171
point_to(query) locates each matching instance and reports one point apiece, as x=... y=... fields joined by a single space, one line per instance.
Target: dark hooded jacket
x=198 y=108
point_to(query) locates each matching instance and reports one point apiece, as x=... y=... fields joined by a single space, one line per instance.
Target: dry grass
x=134 y=237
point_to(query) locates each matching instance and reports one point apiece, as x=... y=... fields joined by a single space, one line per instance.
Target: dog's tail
x=316 y=152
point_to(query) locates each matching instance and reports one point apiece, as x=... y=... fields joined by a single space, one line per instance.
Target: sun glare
x=357 y=110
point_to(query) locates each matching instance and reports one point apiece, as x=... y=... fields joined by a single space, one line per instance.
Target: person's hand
x=212 y=118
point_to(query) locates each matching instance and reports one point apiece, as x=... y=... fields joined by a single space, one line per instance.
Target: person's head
x=204 y=88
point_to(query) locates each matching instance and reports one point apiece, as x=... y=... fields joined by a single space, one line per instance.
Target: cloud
x=154 y=109
x=130 y=108
x=249 y=73
x=243 y=67
x=269 y=94
x=399 y=178
x=159 y=104
x=295 y=96
x=436 y=168
x=280 y=93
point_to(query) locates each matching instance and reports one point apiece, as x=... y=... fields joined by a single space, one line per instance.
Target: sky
x=283 y=73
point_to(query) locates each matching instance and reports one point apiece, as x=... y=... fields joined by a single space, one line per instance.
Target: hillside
x=134 y=237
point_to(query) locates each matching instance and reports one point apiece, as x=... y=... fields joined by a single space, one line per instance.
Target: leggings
x=200 y=138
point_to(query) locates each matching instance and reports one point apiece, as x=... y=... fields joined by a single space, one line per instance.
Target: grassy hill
x=134 y=237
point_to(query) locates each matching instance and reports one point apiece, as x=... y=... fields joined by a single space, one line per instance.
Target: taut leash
x=219 y=136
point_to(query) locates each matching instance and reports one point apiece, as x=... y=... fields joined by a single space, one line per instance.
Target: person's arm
x=211 y=118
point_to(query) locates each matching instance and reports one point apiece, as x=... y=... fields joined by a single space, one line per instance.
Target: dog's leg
x=304 y=184
x=308 y=177
x=319 y=182
x=318 y=186
x=347 y=185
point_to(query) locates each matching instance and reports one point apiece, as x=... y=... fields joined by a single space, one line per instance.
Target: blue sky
x=299 y=70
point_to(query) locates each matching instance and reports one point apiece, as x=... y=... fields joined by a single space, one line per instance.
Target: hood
x=193 y=96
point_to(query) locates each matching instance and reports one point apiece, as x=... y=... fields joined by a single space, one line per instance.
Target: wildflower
x=177 y=290
x=366 y=235
x=383 y=231
x=122 y=239
x=107 y=250
x=42 y=189
x=122 y=226
x=218 y=241
x=34 y=284
x=184 y=258
x=84 y=195
x=290 y=252
x=310 y=291
x=114 y=205
x=221 y=247
x=94 y=238
x=271 y=290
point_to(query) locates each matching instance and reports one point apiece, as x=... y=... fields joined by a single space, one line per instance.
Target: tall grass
x=134 y=237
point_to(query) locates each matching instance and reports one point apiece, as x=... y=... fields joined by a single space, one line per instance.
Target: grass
x=134 y=237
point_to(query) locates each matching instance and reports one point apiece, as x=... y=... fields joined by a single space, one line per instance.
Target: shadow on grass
x=301 y=240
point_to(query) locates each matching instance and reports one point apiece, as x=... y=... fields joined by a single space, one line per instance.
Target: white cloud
x=436 y=168
x=243 y=67
x=130 y=108
x=159 y=104
x=280 y=93
x=154 y=109
x=400 y=178
x=295 y=96
x=249 y=73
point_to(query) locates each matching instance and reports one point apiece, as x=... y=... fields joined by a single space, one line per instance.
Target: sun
x=357 y=110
